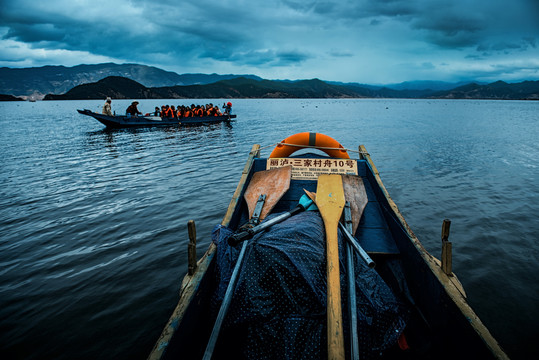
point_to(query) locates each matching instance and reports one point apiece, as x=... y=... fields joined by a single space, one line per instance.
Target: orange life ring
x=307 y=139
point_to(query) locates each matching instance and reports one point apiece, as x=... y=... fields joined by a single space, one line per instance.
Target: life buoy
x=307 y=139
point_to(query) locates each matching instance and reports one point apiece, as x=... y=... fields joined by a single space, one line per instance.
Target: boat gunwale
x=450 y=284
x=191 y=283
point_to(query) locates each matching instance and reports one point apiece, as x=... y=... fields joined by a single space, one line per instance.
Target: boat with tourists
x=313 y=260
x=129 y=121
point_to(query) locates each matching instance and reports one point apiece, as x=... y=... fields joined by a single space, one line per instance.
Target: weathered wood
x=447 y=257
x=192 y=247
x=255 y=152
x=273 y=183
x=354 y=192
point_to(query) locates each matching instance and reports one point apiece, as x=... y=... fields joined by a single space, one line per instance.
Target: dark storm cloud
x=126 y=31
x=265 y=58
x=323 y=36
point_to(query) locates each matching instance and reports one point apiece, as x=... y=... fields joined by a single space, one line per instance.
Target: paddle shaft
x=352 y=307
x=330 y=202
x=224 y=305
x=335 y=328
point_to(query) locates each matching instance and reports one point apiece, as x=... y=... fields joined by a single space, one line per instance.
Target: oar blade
x=330 y=196
x=274 y=183
x=355 y=193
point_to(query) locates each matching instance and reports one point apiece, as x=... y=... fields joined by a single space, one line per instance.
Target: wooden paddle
x=356 y=200
x=274 y=184
x=330 y=201
x=354 y=192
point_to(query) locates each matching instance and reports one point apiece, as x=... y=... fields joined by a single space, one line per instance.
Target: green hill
x=247 y=88
x=122 y=88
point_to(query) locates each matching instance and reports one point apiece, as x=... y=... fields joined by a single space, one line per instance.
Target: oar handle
x=246 y=234
x=237 y=238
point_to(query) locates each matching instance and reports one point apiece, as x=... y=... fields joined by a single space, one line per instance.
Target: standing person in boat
x=228 y=108
x=133 y=110
x=107 y=109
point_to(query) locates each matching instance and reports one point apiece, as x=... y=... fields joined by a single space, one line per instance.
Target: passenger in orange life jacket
x=172 y=111
x=168 y=112
x=199 y=111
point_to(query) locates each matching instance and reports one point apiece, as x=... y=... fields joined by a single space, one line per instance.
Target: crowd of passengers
x=167 y=111
x=183 y=111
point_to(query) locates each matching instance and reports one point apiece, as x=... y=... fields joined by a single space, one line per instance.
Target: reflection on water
x=93 y=221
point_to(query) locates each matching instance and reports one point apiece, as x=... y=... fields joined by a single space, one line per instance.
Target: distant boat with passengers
x=167 y=116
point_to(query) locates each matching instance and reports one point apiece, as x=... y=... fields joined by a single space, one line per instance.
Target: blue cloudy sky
x=367 y=41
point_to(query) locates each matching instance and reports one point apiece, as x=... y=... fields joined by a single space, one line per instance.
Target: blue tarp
x=279 y=306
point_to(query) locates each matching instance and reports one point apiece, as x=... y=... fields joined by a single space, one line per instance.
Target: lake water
x=93 y=234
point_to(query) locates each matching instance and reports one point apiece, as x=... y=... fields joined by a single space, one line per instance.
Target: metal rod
x=357 y=247
x=352 y=306
x=224 y=305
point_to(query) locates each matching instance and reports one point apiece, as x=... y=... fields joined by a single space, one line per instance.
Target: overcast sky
x=366 y=41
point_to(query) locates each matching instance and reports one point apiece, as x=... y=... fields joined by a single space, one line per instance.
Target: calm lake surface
x=93 y=223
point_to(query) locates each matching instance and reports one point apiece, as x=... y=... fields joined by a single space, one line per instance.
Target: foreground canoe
x=407 y=306
x=122 y=121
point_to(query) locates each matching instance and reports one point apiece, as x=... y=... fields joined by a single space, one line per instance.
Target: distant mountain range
x=123 y=88
x=133 y=81
x=38 y=81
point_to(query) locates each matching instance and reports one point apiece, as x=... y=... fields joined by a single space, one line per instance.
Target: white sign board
x=309 y=169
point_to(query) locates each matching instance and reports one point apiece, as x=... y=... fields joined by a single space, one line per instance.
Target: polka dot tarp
x=278 y=310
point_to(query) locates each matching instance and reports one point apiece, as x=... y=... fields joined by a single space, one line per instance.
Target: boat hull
x=121 y=121
x=442 y=325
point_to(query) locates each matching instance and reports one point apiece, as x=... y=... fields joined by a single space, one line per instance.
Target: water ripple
x=93 y=228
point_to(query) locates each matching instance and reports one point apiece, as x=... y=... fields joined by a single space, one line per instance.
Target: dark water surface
x=93 y=235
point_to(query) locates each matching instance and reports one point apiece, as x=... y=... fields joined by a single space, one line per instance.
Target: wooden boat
x=123 y=121
x=435 y=320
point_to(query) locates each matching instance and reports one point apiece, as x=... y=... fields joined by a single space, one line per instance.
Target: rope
x=314 y=147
